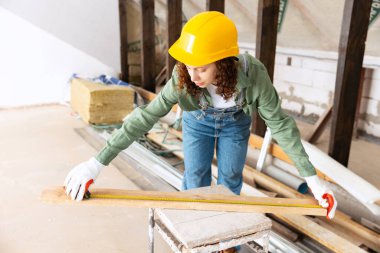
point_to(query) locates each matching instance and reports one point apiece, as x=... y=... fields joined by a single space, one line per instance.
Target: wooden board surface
x=150 y=199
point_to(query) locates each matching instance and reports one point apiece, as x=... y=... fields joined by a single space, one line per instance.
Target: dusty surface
x=38 y=147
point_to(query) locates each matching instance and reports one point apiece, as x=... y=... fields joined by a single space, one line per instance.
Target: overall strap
x=203 y=102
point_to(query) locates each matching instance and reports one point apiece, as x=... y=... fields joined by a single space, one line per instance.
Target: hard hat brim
x=181 y=55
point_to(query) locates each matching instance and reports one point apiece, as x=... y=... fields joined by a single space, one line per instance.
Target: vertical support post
x=147 y=45
x=350 y=60
x=123 y=40
x=151 y=230
x=215 y=5
x=174 y=26
x=266 y=40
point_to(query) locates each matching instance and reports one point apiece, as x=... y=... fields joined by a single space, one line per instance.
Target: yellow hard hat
x=207 y=37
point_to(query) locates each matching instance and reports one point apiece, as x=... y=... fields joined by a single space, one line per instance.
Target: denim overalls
x=229 y=130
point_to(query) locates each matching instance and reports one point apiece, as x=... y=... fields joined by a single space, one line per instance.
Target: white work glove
x=81 y=177
x=323 y=194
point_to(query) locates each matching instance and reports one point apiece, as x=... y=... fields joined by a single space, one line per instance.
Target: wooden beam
x=351 y=51
x=266 y=40
x=319 y=126
x=149 y=96
x=189 y=201
x=123 y=40
x=215 y=5
x=147 y=45
x=174 y=26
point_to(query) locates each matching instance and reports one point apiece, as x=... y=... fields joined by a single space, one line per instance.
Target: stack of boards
x=101 y=104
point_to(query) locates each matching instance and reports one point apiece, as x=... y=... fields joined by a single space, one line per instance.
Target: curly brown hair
x=226 y=78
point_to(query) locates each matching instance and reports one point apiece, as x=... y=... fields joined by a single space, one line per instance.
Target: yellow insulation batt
x=101 y=104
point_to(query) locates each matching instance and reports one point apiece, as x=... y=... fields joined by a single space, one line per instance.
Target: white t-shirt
x=217 y=100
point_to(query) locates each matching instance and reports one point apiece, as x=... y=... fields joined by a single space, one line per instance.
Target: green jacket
x=260 y=95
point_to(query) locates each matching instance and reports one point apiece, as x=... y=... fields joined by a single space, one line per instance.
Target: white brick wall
x=371 y=87
x=322 y=65
x=295 y=75
x=305 y=81
x=323 y=80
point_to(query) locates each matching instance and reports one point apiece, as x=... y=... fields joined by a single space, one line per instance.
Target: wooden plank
x=147 y=45
x=319 y=126
x=348 y=235
x=149 y=96
x=320 y=234
x=179 y=200
x=350 y=60
x=174 y=26
x=266 y=40
x=215 y=5
x=123 y=21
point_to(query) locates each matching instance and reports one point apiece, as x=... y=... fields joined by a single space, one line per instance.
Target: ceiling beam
x=350 y=60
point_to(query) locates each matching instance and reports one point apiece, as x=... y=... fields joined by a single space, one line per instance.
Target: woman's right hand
x=81 y=177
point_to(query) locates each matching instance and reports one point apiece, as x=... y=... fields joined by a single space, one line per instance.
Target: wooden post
x=351 y=52
x=215 y=5
x=123 y=40
x=174 y=26
x=147 y=45
x=266 y=39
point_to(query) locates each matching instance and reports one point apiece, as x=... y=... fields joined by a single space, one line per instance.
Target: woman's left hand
x=323 y=194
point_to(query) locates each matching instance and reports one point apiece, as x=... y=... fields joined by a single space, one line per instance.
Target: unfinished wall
x=305 y=80
x=369 y=119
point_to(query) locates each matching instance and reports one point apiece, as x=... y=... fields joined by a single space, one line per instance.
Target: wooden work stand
x=209 y=231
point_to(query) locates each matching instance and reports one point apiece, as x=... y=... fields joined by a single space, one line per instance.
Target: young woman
x=218 y=90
